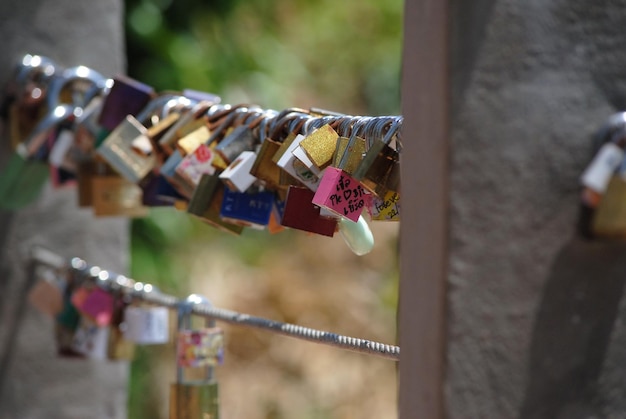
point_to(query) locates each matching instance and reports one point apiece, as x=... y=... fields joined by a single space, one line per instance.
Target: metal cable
x=148 y=293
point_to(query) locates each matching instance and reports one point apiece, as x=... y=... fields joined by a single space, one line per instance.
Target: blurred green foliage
x=341 y=56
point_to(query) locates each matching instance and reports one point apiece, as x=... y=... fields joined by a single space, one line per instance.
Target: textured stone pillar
x=34 y=383
x=535 y=313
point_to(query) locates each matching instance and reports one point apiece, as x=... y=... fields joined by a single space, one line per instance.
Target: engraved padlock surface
x=192 y=399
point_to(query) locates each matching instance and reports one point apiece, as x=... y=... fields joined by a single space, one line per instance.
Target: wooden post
x=423 y=235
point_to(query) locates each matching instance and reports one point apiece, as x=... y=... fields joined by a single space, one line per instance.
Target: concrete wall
x=34 y=383
x=535 y=313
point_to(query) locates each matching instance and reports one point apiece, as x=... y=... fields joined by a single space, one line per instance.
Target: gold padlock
x=115 y=196
x=609 y=219
x=198 y=350
x=119 y=348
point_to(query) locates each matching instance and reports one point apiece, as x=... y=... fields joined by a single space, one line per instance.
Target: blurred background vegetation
x=341 y=56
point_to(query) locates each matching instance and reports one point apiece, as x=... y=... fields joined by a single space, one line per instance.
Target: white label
x=146 y=325
x=602 y=167
x=62 y=145
x=237 y=175
x=90 y=340
x=289 y=163
x=300 y=154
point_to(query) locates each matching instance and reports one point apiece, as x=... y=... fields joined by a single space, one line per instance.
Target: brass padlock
x=119 y=348
x=197 y=351
x=609 y=219
x=206 y=203
x=115 y=196
x=264 y=168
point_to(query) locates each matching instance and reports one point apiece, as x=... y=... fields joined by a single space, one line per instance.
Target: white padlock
x=146 y=325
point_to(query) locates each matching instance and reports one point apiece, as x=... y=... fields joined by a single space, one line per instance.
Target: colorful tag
x=196 y=164
x=200 y=348
x=341 y=193
x=97 y=304
x=387 y=208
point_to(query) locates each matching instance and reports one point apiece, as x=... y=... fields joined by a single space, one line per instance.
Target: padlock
x=379 y=171
x=146 y=325
x=339 y=192
x=189 y=120
x=237 y=175
x=90 y=340
x=296 y=168
x=25 y=96
x=320 y=146
x=199 y=136
x=46 y=294
x=605 y=174
x=386 y=208
x=193 y=166
x=116 y=196
x=248 y=209
x=119 y=347
x=300 y=213
x=263 y=167
x=87 y=170
x=94 y=303
x=126 y=97
x=201 y=350
x=157 y=192
x=120 y=150
x=206 y=204
x=21 y=182
x=609 y=218
x=355 y=153
x=239 y=140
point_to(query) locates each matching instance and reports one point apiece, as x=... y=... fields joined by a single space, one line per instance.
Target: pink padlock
x=96 y=304
x=341 y=193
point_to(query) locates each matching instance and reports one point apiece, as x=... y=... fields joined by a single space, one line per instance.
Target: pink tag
x=200 y=348
x=341 y=193
x=98 y=305
x=196 y=164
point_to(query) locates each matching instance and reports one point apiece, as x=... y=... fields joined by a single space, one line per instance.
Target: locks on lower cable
x=198 y=352
x=146 y=324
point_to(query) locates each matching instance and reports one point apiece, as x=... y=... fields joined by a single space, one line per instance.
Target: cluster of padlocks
x=129 y=148
x=603 y=212
x=100 y=315
x=97 y=317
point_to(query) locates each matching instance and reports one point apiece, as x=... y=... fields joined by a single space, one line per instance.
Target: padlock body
x=610 y=216
x=194 y=401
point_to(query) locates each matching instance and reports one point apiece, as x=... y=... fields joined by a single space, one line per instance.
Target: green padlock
x=21 y=182
x=199 y=350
